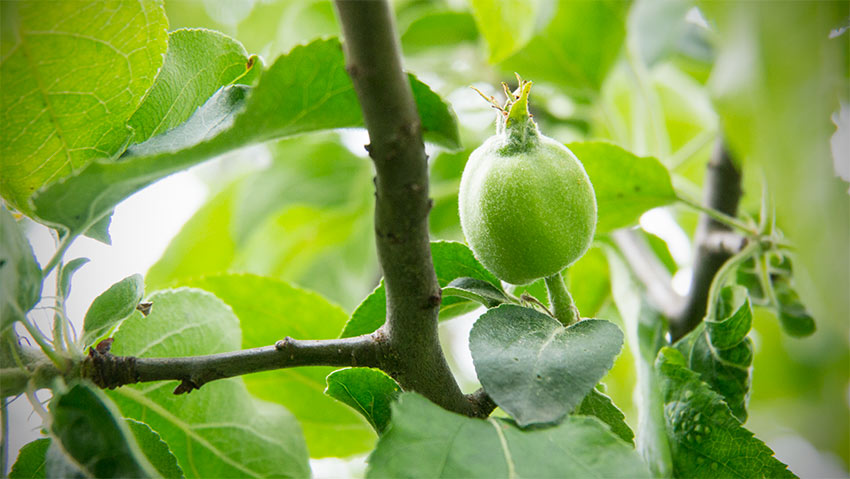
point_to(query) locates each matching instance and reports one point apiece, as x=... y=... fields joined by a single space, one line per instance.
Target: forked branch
x=407 y=347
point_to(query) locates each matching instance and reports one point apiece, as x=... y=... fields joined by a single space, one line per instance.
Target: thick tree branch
x=407 y=347
x=373 y=61
x=482 y=403
x=721 y=192
x=109 y=371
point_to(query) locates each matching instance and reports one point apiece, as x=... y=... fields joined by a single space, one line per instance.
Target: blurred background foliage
x=658 y=78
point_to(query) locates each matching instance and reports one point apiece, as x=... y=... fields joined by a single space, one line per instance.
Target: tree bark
x=722 y=192
x=373 y=61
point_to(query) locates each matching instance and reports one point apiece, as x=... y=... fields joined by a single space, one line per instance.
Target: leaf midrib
x=132 y=394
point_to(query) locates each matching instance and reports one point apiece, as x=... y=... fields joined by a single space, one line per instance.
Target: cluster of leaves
x=121 y=111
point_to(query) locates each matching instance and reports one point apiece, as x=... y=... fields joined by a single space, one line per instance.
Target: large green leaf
x=33 y=463
x=111 y=307
x=270 y=310
x=427 y=441
x=452 y=260
x=506 y=25
x=577 y=48
x=268 y=223
x=600 y=406
x=72 y=76
x=91 y=431
x=536 y=369
x=720 y=351
x=298 y=241
x=439 y=29
x=198 y=62
x=19 y=272
x=626 y=185
x=306 y=90
x=369 y=391
x=706 y=439
x=205 y=245
x=219 y=430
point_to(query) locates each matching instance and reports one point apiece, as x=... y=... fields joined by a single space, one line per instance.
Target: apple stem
x=561 y=303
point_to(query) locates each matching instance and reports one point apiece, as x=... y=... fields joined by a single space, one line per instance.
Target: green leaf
x=194 y=252
x=155 y=449
x=439 y=123
x=476 y=290
x=304 y=91
x=600 y=406
x=506 y=25
x=32 y=460
x=19 y=272
x=91 y=431
x=268 y=223
x=439 y=29
x=100 y=230
x=626 y=185
x=270 y=310
x=298 y=241
x=197 y=63
x=734 y=318
x=71 y=78
x=67 y=272
x=576 y=49
x=706 y=439
x=427 y=441
x=369 y=315
x=219 y=430
x=452 y=260
x=111 y=307
x=720 y=351
x=793 y=315
x=646 y=331
x=369 y=391
x=30 y=463
x=536 y=369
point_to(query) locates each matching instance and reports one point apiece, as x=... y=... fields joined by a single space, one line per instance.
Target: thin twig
x=64 y=244
x=719 y=216
x=55 y=358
